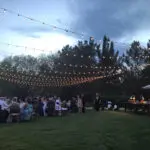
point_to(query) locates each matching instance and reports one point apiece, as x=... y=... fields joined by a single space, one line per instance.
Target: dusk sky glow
x=122 y=21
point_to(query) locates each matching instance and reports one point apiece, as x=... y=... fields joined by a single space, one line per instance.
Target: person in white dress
x=44 y=106
x=58 y=106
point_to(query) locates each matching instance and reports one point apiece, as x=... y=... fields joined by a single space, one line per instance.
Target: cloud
x=38 y=31
x=31 y=31
x=122 y=21
x=59 y=21
x=113 y=18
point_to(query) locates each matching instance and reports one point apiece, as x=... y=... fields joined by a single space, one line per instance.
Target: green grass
x=90 y=131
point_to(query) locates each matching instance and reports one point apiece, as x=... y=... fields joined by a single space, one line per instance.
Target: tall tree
x=134 y=58
x=79 y=58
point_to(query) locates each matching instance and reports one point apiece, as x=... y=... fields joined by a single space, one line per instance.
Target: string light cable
x=56 y=27
x=14 y=79
x=74 y=55
x=104 y=70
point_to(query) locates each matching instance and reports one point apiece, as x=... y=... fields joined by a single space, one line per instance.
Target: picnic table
x=145 y=107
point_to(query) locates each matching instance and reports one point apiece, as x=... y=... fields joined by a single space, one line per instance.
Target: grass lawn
x=90 y=131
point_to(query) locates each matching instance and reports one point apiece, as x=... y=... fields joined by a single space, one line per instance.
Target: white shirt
x=4 y=105
x=44 y=105
x=57 y=104
x=115 y=106
x=79 y=102
x=109 y=104
x=68 y=103
x=22 y=104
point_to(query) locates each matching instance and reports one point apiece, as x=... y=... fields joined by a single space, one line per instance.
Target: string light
x=41 y=22
x=55 y=27
x=104 y=70
x=47 y=82
x=74 y=55
x=75 y=81
x=6 y=70
x=42 y=80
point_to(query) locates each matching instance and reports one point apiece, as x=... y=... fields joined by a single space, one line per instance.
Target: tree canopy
x=85 y=67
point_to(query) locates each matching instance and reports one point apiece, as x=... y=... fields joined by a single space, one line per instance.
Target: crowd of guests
x=46 y=106
x=42 y=106
x=15 y=106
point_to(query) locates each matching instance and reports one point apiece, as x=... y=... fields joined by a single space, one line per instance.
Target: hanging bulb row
x=57 y=83
x=46 y=78
x=4 y=69
x=108 y=57
x=49 y=84
x=88 y=67
x=74 y=55
x=70 y=66
x=54 y=27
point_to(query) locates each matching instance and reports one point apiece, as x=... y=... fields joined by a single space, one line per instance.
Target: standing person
x=51 y=107
x=58 y=106
x=79 y=104
x=64 y=108
x=28 y=109
x=55 y=98
x=3 y=111
x=83 y=103
x=44 y=106
x=40 y=108
x=102 y=104
x=22 y=106
x=74 y=107
x=68 y=105
x=97 y=102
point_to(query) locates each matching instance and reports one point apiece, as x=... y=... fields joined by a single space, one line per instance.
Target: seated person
x=132 y=99
x=142 y=101
x=115 y=107
x=109 y=105
x=14 y=107
x=14 y=111
x=51 y=107
x=68 y=104
x=26 y=113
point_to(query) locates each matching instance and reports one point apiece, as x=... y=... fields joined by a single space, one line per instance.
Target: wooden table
x=135 y=107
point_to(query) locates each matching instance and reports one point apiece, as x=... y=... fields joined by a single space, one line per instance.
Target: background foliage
x=85 y=53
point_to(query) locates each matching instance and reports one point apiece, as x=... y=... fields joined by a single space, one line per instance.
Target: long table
x=135 y=107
